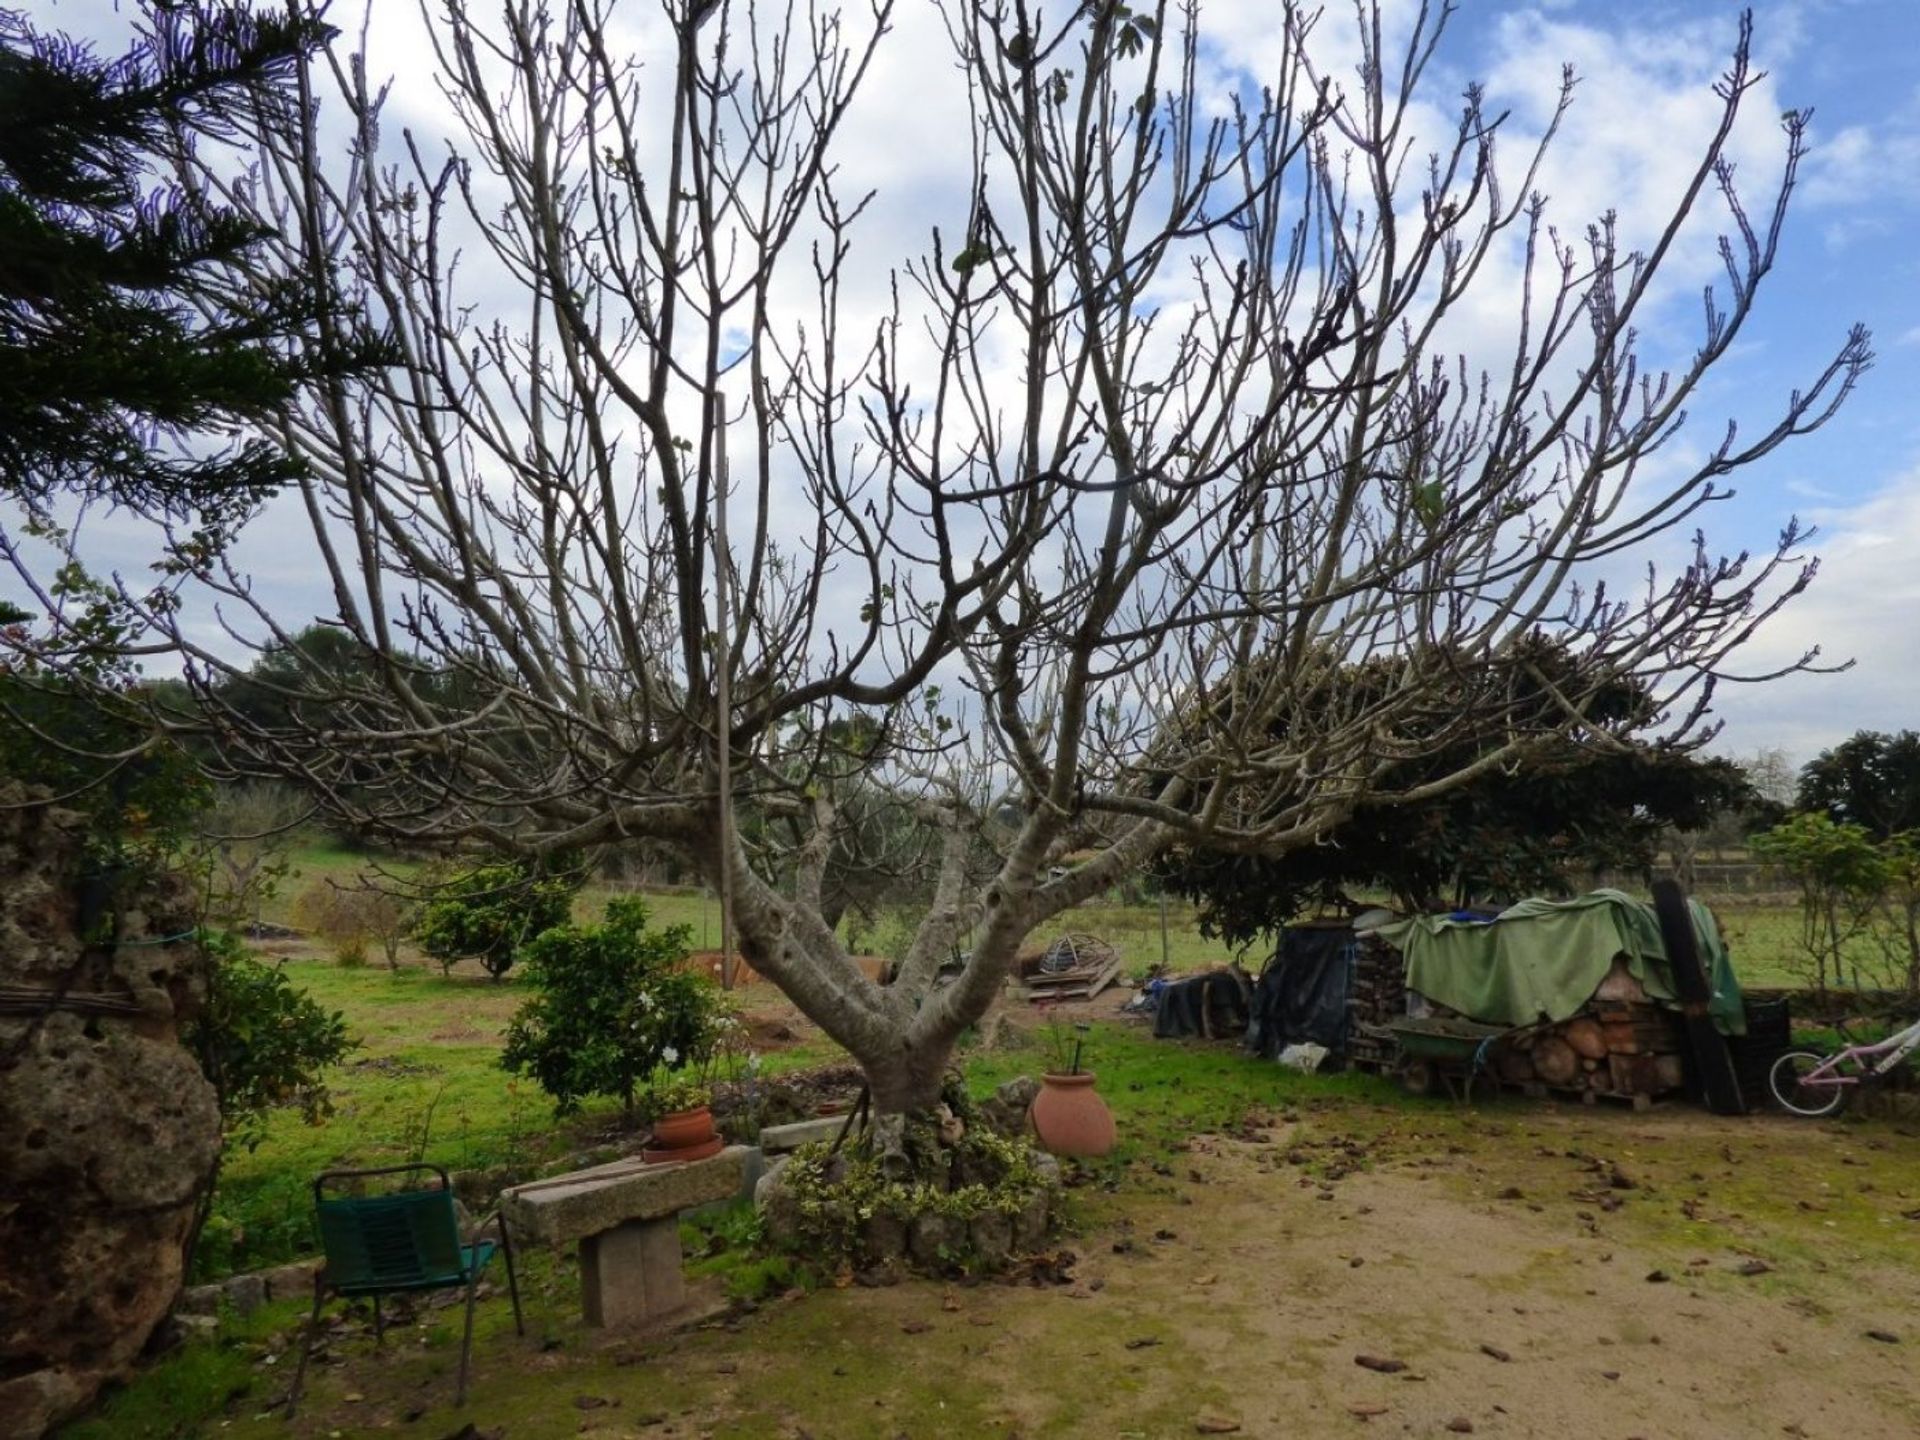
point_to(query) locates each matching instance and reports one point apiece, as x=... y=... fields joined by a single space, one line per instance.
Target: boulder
x=108 y=1130
x=1005 y=1113
x=199 y=1300
x=928 y=1234
x=180 y=1329
x=992 y=1236
x=291 y=1282
x=969 y=1167
x=246 y=1293
x=883 y=1239
x=1031 y=1224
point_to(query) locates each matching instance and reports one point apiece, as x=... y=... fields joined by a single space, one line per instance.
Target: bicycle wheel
x=1791 y=1092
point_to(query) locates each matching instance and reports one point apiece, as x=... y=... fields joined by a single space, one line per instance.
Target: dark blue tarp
x=1302 y=993
x=1210 y=1005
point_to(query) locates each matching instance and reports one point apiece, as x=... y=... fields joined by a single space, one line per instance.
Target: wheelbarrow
x=1442 y=1054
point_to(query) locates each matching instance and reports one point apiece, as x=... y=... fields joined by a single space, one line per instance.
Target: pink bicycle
x=1814 y=1085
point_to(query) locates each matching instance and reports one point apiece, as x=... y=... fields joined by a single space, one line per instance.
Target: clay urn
x=1070 y=1117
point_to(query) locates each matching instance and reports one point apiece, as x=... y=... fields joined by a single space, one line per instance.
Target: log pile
x=1377 y=994
x=1620 y=1046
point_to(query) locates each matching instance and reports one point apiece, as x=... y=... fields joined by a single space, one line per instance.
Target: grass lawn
x=425 y=1084
x=1254 y=1232
x=1821 y=1202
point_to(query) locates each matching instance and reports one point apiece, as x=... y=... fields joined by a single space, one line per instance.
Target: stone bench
x=784 y=1139
x=625 y=1217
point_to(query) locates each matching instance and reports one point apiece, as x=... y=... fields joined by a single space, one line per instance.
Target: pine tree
x=134 y=334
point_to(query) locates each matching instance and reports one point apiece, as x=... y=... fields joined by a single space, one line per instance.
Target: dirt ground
x=1525 y=1272
x=1514 y=1316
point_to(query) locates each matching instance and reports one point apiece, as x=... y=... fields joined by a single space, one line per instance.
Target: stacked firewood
x=1377 y=994
x=1620 y=1044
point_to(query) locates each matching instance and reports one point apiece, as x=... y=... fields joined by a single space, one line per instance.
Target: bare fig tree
x=1160 y=430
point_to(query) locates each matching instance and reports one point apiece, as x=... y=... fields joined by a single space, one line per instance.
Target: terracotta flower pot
x=683 y=1135
x=1070 y=1117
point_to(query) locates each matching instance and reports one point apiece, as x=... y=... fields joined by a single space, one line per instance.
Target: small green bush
x=260 y=1041
x=614 y=1006
x=492 y=911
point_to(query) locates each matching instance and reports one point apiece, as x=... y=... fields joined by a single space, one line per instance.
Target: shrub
x=614 y=1006
x=1842 y=875
x=351 y=917
x=846 y=1211
x=491 y=911
x=260 y=1041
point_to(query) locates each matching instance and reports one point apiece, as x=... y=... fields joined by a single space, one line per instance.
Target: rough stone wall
x=108 y=1130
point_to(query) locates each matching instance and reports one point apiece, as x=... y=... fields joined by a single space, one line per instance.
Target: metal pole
x=723 y=693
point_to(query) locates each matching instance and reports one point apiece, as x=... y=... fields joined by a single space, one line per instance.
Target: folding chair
x=404 y=1240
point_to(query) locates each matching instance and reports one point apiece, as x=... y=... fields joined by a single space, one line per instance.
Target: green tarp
x=1545 y=958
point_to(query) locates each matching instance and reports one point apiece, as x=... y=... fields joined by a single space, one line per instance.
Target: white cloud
x=1642 y=111
x=1864 y=606
x=1864 y=164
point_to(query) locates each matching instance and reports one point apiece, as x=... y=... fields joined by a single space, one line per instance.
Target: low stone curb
x=247 y=1293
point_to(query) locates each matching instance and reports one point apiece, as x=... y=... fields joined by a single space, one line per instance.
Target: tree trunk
x=910 y=1079
x=901 y=1034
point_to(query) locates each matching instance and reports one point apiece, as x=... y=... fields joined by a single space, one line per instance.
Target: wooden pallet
x=1539 y=1090
x=1072 y=984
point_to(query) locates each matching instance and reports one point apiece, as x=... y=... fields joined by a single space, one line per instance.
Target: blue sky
x=1850 y=254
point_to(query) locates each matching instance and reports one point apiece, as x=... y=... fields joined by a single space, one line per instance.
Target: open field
x=1763 y=934
x=1679 y=1275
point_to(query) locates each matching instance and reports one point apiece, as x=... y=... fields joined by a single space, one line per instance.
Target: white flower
x=670 y=1055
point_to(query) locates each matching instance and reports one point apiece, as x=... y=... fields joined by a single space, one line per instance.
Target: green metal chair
x=404 y=1240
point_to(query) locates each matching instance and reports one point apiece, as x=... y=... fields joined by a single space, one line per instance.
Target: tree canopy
x=128 y=348
x=1871 y=780
x=1589 y=802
